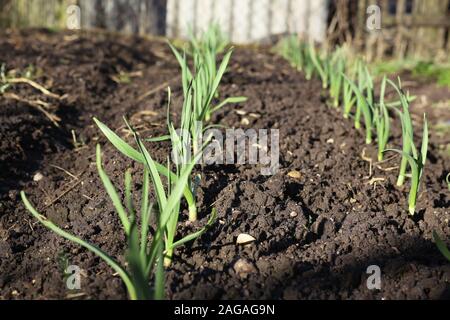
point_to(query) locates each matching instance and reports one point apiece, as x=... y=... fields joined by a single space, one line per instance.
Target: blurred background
x=409 y=28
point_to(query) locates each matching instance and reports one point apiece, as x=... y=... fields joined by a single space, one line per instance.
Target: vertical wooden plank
x=370 y=36
x=203 y=15
x=431 y=38
x=5 y=13
x=110 y=22
x=448 y=28
x=22 y=13
x=443 y=31
x=221 y=11
x=317 y=22
x=259 y=20
x=298 y=16
x=173 y=28
x=360 y=42
x=157 y=17
x=381 y=42
x=88 y=13
x=400 y=40
x=414 y=43
x=279 y=19
x=186 y=15
x=241 y=21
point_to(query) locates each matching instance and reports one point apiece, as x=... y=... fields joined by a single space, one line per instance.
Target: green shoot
x=135 y=155
x=309 y=66
x=407 y=131
x=136 y=280
x=349 y=99
x=319 y=64
x=213 y=40
x=142 y=257
x=364 y=100
x=382 y=122
x=416 y=161
x=441 y=245
x=337 y=67
x=291 y=49
x=208 y=74
x=396 y=104
x=199 y=92
x=204 y=82
x=182 y=175
x=364 y=106
x=298 y=54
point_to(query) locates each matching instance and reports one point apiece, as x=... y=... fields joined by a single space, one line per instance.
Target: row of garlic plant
x=151 y=229
x=351 y=85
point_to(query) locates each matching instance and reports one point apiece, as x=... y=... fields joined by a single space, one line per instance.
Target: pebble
x=243 y=268
x=244 y=238
x=245 y=122
x=38 y=177
x=295 y=174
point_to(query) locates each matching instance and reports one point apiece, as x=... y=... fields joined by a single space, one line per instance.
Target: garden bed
x=319 y=222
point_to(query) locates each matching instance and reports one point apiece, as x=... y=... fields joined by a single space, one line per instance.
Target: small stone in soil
x=243 y=268
x=244 y=238
x=245 y=122
x=38 y=177
x=295 y=174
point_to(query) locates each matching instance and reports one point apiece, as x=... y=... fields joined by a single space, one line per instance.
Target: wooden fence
x=244 y=20
x=130 y=16
x=413 y=28
x=409 y=28
x=249 y=20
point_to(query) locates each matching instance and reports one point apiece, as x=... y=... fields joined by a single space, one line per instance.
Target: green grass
x=439 y=73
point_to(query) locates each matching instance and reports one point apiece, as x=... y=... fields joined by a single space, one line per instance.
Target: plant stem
x=380 y=155
x=168 y=257
x=368 y=136
x=192 y=212
x=401 y=175
x=413 y=191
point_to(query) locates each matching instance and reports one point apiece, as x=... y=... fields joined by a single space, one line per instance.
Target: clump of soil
x=316 y=231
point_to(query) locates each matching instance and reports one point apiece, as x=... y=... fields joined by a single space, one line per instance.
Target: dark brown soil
x=342 y=223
